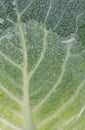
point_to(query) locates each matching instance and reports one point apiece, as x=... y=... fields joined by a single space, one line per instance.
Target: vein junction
x=28 y=122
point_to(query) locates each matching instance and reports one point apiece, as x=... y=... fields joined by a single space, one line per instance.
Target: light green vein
x=72 y=120
x=57 y=83
x=10 y=60
x=63 y=107
x=11 y=21
x=41 y=56
x=48 y=12
x=14 y=82
x=58 y=21
x=26 y=8
x=9 y=124
x=77 y=18
x=66 y=123
x=10 y=94
x=79 y=114
x=19 y=115
x=28 y=121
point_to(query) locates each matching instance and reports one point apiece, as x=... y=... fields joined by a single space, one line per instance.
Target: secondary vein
x=57 y=83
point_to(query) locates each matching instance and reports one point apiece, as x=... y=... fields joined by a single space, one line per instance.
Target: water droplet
x=69 y=40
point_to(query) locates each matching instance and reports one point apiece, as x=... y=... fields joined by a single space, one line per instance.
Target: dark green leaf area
x=81 y=35
x=58 y=16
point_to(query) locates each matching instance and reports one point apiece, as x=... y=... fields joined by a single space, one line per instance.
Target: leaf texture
x=42 y=65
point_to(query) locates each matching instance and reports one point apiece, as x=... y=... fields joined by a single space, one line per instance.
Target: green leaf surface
x=42 y=65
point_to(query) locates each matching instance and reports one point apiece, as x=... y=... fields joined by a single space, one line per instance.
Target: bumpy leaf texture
x=42 y=64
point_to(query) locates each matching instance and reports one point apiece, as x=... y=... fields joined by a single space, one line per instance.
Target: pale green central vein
x=28 y=123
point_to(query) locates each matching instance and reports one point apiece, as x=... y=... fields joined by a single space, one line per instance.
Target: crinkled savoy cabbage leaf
x=42 y=65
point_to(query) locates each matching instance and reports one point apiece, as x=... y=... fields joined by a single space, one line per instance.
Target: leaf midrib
x=28 y=123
